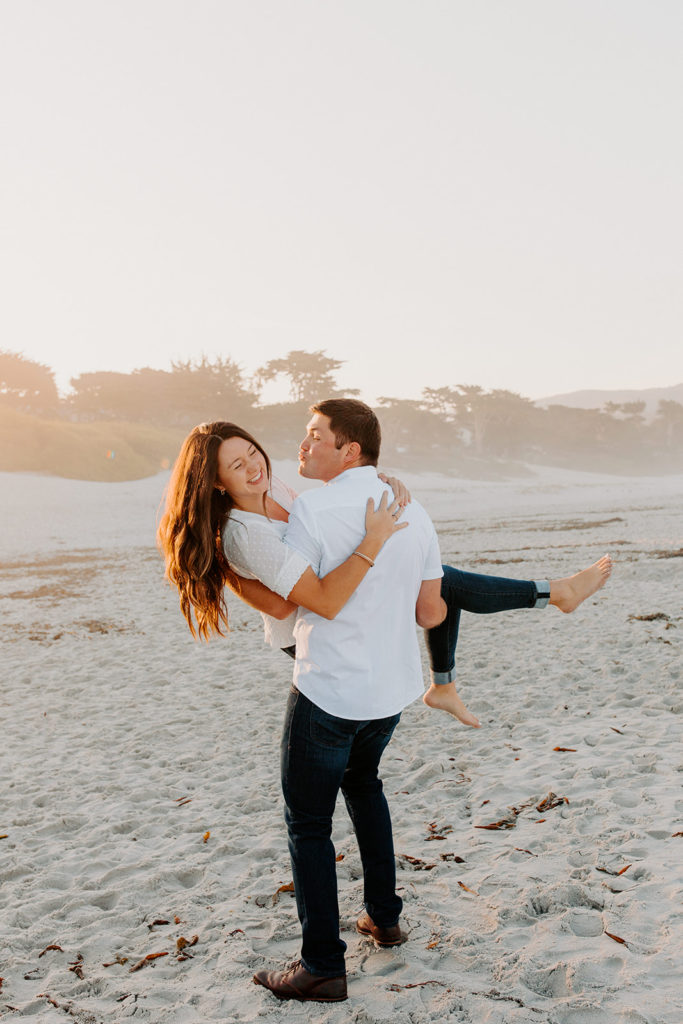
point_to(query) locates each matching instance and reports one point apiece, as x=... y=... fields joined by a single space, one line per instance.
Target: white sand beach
x=141 y=800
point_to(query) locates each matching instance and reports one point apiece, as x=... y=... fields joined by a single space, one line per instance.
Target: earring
x=222 y=490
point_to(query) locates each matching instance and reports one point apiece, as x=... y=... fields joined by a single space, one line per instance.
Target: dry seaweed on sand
x=48 y=948
x=437 y=832
x=77 y=967
x=183 y=943
x=415 y=863
x=51 y=1001
x=467 y=888
x=608 y=871
x=504 y=823
x=416 y=984
x=617 y=938
x=552 y=800
x=117 y=960
x=265 y=901
x=146 y=960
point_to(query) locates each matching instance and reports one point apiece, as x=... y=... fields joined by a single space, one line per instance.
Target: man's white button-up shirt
x=365 y=663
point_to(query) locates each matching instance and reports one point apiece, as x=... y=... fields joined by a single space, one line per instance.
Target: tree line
x=445 y=427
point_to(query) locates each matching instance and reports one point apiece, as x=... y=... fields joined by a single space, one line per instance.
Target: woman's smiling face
x=242 y=471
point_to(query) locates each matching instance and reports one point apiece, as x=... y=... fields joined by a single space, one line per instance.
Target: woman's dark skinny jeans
x=472 y=592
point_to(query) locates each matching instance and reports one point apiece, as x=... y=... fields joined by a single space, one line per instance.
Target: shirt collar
x=355 y=473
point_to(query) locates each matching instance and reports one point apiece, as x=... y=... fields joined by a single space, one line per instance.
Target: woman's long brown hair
x=189 y=534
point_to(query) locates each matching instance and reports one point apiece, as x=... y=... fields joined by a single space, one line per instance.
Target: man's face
x=319 y=458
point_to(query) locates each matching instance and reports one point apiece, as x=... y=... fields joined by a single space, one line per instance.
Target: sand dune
x=141 y=792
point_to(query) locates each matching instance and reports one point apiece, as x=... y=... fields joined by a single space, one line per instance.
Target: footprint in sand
x=645 y=763
x=551 y=982
x=601 y=973
x=585 y=923
x=106 y=900
x=626 y=798
x=381 y=962
x=583 y=1013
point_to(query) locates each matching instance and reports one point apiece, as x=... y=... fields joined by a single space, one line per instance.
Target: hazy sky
x=437 y=191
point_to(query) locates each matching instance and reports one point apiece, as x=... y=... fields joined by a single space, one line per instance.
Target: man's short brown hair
x=351 y=420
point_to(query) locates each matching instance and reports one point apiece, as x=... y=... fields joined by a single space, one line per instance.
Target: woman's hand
x=401 y=492
x=382 y=522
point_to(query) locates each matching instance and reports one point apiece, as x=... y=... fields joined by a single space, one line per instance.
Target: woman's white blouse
x=255 y=549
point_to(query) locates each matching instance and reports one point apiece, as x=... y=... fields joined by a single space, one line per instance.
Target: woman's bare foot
x=568 y=593
x=445 y=698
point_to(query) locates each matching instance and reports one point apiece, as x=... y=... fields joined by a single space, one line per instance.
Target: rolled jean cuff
x=542 y=593
x=442 y=678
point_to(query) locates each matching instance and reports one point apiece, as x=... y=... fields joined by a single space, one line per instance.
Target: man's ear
x=353 y=452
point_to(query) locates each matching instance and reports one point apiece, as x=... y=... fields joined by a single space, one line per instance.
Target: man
x=353 y=677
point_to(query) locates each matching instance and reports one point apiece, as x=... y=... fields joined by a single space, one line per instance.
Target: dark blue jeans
x=483 y=595
x=320 y=755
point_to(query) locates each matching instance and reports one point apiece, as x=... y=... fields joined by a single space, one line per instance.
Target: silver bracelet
x=361 y=555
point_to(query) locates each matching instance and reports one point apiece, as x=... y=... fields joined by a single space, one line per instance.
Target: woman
x=224 y=523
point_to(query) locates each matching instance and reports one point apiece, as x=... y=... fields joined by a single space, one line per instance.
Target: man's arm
x=327 y=596
x=430 y=608
x=257 y=595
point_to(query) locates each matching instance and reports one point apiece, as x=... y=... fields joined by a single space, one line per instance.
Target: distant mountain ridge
x=597 y=399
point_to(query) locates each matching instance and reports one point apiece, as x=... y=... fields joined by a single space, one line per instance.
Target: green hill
x=104 y=450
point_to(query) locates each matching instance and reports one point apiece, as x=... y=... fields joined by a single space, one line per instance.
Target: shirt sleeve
x=302 y=534
x=260 y=549
x=282 y=493
x=432 y=569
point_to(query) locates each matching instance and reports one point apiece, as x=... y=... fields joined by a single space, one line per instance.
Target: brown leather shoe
x=392 y=936
x=298 y=983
